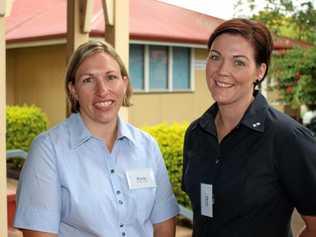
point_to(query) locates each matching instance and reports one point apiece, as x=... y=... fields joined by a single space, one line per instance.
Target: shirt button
x=118 y=192
x=112 y=171
x=121 y=202
x=123 y=234
x=121 y=225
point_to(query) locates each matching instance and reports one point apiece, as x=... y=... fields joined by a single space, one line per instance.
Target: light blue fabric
x=71 y=185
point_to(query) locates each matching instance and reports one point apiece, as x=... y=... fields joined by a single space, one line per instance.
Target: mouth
x=222 y=84
x=103 y=104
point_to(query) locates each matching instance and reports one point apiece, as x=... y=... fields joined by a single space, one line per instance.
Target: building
x=167 y=52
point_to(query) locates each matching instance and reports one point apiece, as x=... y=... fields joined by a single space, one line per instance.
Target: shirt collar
x=79 y=133
x=254 y=117
x=207 y=121
x=124 y=131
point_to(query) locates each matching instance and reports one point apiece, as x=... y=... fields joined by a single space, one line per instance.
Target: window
x=160 y=68
x=181 y=70
x=136 y=66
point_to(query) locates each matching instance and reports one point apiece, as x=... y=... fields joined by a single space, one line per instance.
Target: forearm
x=166 y=228
x=310 y=227
x=31 y=233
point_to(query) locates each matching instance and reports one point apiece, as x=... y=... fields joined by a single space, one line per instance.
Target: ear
x=261 y=70
x=125 y=80
x=72 y=90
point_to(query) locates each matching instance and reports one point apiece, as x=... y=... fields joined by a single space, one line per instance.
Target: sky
x=219 y=8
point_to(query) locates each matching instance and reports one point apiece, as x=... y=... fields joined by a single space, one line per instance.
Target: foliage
x=294 y=19
x=294 y=76
x=23 y=123
x=170 y=139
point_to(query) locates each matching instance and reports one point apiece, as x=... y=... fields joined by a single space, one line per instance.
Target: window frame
x=146 y=69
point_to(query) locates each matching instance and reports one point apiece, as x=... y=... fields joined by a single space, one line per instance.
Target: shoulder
x=53 y=136
x=193 y=125
x=282 y=122
x=287 y=130
x=138 y=136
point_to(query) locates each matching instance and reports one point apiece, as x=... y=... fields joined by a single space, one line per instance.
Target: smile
x=104 y=104
x=223 y=84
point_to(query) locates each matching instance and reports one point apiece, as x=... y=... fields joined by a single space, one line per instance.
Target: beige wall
x=153 y=108
x=3 y=180
x=36 y=76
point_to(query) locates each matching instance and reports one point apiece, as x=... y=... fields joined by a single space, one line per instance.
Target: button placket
x=114 y=175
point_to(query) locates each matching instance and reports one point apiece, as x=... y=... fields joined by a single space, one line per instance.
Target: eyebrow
x=234 y=56
x=241 y=56
x=85 y=74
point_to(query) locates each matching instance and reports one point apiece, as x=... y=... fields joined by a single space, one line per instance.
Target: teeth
x=104 y=104
x=223 y=84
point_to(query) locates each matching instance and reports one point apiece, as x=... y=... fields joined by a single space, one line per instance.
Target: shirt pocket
x=144 y=200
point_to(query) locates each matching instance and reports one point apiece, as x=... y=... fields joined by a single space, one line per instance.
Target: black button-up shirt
x=259 y=172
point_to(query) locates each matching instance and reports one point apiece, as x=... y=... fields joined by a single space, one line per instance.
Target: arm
x=166 y=228
x=38 y=196
x=310 y=227
x=31 y=233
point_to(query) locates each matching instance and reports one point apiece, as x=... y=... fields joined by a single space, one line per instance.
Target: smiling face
x=231 y=69
x=99 y=88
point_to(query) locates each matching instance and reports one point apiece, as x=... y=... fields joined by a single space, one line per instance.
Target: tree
x=294 y=19
x=294 y=76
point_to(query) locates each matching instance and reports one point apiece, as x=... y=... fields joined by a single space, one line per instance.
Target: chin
x=106 y=119
x=222 y=100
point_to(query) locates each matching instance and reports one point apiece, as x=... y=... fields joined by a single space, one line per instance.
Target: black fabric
x=260 y=171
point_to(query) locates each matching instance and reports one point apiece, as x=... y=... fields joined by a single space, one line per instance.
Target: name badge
x=206 y=200
x=141 y=178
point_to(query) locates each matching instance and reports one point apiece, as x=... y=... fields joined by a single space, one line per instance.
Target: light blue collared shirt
x=72 y=185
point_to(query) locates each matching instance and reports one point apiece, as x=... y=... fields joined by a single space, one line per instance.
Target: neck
x=229 y=116
x=104 y=131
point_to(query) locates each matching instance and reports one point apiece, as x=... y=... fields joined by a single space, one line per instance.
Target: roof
x=150 y=20
x=36 y=19
x=165 y=22
x=48 y=20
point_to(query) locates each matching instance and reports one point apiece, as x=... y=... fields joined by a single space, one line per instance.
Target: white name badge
x=141 y=178
x=207 y=200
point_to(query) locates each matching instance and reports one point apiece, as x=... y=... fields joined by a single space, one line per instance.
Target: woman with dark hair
x=246 y=165
x=94 y=174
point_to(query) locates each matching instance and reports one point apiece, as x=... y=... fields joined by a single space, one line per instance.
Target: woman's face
x=99 y=88
x=231 y=69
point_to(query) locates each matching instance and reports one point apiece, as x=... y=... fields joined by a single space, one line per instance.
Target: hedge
x=170 y=138
x=23 y=123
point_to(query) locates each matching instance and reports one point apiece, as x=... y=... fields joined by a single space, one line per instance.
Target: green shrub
x=293 y=75
x=170 y=138
x=23 y=123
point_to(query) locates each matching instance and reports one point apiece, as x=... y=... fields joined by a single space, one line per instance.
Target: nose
x=101 y=87
x=223 y=67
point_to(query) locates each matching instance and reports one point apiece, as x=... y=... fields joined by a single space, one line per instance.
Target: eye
x=239 y=62
x=213 y=57
x=112 y=77
x=86 y=79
